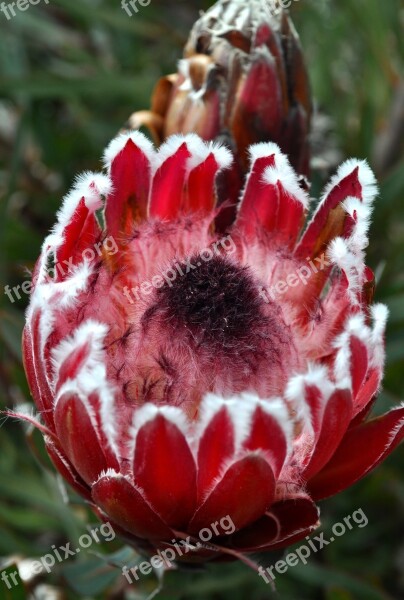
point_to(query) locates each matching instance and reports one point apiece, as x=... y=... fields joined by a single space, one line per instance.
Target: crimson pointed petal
x=331 y=220
x=165 y=469
x=336 y=420
x=66 y=469
x=261 y=533
x=128 y=158
x=168 y=184
x=360 y=451
x=297 y=517
x=215 y=447
x=359 y=363
x=35 y=368
x=268 y=435
x=121 y=501
x=78 y=437
x=273 y=200
x=250 y=478
x=366 y=397
x=78 y=228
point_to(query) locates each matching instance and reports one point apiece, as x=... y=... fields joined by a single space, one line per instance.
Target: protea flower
x=182 y=376
x=242 y=81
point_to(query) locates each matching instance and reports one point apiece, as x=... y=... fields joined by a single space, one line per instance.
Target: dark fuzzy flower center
x=215 y=302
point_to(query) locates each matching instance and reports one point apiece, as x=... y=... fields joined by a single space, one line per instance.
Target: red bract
x=182 y=375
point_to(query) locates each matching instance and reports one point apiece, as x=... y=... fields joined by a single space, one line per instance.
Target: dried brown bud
x=242 y=80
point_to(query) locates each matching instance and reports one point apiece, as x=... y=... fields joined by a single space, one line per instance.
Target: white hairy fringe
x=239 y=16
x=371 y=337
x=92 y=377
x=48 y=296
x=348 y=254
x=379 y=314
x=91 y=187
x=282 y=171
x=241 y=409
x=262 y=150
x=353 y=266
x=355 y=326
x=109 y=473
x=361 y=213
x=148 y=413
x=198 y=149
x=316 y=375
x=365 y=176
x=90 y=332
x=116 y=146
x=396 y=429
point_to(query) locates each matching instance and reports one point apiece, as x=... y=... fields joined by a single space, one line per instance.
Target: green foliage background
x=70 y=74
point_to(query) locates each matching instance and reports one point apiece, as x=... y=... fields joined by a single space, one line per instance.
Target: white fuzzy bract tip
x=283 y=173
x=118 y=144
x=198 y=149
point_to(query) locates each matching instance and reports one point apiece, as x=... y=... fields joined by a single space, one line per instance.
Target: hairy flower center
x=208 y=329
x=215 y=303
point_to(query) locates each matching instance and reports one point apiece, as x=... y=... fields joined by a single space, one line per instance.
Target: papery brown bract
x=242 y=80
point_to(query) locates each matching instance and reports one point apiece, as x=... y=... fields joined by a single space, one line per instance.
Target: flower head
x=184 y=375
x=242 y=80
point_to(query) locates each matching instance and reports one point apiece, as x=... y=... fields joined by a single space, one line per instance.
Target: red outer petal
x=259 y=107
x=261 y=533
x=359 y=363
x=126 y=506
x=256 y=208
x=289 y=220
x=72 y=365
x=144 y=546
x=165 y=469
x=266 y=434
x=200 y=194
x=66 y=469
x=168 y=185
x=336 y=420
x=35 y=369
x=29 y=367
x=297 y=517
x=317 y=231
x=314 y=399
x=78 y=437
x=361 y=450
x=244 y=493
x=81 y=232
x=215 y=448
x=367 y=393
x=127 y=203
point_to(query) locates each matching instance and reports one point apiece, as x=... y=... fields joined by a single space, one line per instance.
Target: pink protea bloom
x=181 y=375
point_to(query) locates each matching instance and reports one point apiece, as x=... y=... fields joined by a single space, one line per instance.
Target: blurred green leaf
x=316 y=575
